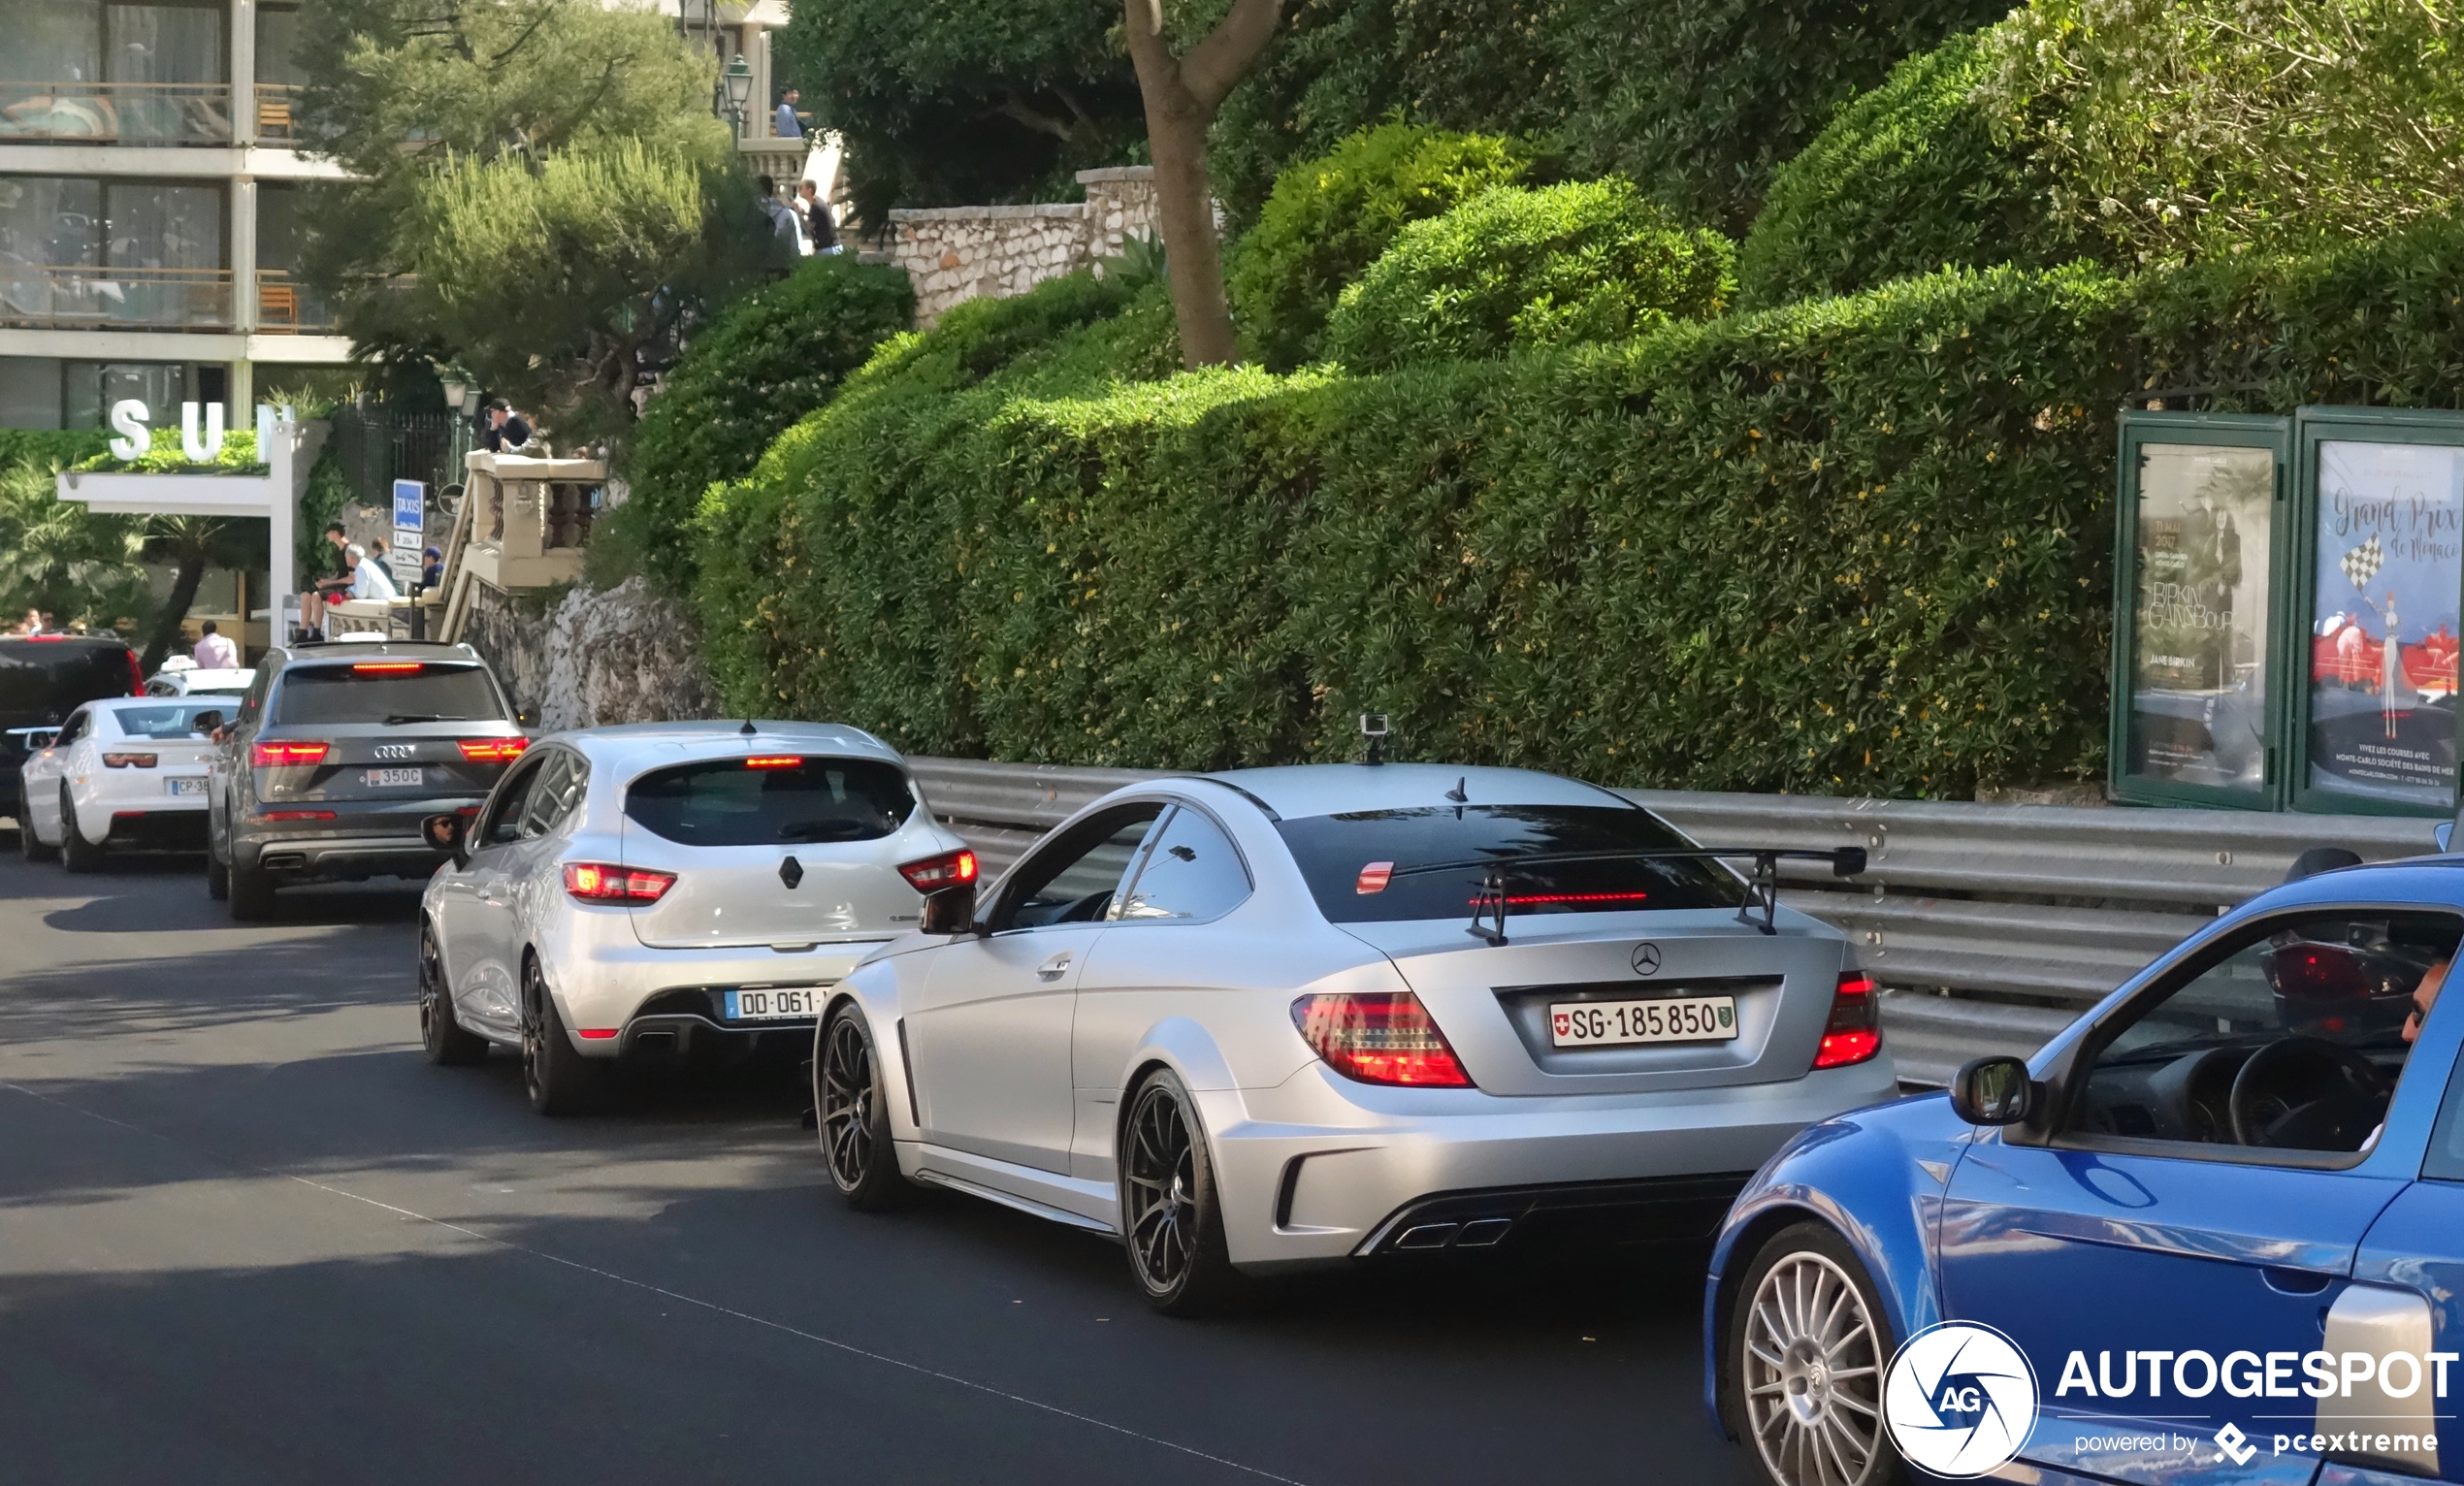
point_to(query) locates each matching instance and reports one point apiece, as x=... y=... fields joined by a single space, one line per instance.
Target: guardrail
x=1992 y=925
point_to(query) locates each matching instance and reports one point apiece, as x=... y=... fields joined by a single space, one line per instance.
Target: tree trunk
x=1182 y=94
x=183 y=593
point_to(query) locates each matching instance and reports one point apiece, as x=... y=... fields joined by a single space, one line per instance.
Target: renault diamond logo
x=1647 y=960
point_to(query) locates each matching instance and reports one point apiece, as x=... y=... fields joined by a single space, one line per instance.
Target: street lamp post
x=739 y=81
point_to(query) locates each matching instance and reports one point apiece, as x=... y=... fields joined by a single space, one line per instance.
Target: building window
x=78 y=251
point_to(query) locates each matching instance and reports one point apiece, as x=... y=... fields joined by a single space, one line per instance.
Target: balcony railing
x=109 y=297
x=114 y=114
x=288 y=306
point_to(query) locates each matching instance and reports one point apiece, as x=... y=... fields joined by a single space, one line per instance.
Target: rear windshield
x=55 y=676
x=396 y=692
x=1358 y=865
x=168 y=721
x=765 y=801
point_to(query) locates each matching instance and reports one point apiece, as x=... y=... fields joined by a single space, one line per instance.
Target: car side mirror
x=2445 y=833
x=1995 y=1091
x=448 y=833
x=951 y=910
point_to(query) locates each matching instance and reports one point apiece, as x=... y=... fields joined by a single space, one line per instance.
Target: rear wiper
x=1762 y=890
x=813 y=830
x=400 y=718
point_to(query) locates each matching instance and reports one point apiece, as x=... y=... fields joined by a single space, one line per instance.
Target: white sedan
x=1279 y=1017
x=125 y=773
x=668 y=890
x=199 y=681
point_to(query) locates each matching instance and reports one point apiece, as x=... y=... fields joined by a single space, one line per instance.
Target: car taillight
x=597 y=882
x=950 y=869
x=286 y=756
x=1853 y=1032
x=775 y=761
x=128 y=761
x=493 y=750
x=1385 y=1038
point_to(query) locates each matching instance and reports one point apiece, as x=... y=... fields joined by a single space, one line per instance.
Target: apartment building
x=150 y=196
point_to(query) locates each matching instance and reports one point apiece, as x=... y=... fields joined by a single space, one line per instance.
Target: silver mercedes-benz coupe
x=1270 y=1018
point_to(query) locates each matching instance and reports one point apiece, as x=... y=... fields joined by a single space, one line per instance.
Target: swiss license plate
x=185 y=785
x=1667 y=1020
x=391 y=779
x=773 y=1004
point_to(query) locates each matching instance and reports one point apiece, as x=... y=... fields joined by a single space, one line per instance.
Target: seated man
x=368 y=577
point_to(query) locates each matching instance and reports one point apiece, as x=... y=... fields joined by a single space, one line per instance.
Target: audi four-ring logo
x=394 y=750
x=1647 y=960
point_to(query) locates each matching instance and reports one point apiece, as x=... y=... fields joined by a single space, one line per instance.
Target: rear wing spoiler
x=1761 y=888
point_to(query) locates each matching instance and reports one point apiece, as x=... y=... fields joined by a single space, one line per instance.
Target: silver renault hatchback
x=668 y=890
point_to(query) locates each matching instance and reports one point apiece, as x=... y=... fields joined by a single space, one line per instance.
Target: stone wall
x=594 y=658
x=960 y=253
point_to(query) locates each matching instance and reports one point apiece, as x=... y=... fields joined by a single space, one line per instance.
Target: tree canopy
x=965 y=102
x=540 y=192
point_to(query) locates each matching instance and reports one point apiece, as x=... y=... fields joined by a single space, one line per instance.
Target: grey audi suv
x=334 y=756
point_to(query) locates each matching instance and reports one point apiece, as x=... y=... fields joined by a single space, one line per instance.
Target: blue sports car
x=2213 y=1231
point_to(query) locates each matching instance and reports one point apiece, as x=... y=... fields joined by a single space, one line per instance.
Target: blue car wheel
x=1807 y=1347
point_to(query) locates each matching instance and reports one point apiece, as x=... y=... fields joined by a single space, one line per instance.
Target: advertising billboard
x=2387 y=573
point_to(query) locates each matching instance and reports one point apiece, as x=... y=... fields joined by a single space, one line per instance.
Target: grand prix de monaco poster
x=2382 y=641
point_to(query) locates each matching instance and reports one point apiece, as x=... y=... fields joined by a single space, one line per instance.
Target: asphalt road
x=247 y=1235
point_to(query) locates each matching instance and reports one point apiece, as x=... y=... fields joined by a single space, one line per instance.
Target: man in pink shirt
x=213 y=651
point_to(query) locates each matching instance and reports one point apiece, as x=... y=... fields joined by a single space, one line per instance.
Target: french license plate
x=773 y=1004
x=1667 y=1020
x=389 y=779
x=185 y=785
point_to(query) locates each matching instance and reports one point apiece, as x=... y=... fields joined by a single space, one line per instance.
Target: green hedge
x=50 y=449
x=1515 y=269
x=1697 y=102
x=771 y=358
x=1856 y=544
x=1906 y=179
x=1329 y=218
x=165 y=454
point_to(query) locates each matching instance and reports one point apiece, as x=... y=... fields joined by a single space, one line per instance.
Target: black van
x=43 y=679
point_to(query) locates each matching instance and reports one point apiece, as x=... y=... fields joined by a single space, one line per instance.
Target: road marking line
x=848 y=1347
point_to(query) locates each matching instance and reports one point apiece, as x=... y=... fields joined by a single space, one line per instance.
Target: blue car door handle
x=2284 y=1281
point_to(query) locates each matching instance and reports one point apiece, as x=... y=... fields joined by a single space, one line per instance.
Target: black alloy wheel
x=558 y=1079
x=27 y=842
x=853 y=1117
x=441 y=1035
x=1170 y=1215
x=77 y=854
